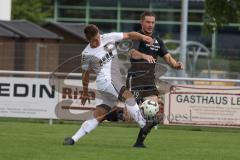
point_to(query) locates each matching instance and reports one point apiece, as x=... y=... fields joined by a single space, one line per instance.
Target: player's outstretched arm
x=137 y=36
x=135 y=54
x=85 y=82
x=172 y=62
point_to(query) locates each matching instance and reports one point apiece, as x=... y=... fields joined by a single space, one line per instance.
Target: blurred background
x=39 y=35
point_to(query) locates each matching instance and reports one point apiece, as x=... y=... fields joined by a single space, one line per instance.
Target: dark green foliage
x=220 y=12
x=33 y=10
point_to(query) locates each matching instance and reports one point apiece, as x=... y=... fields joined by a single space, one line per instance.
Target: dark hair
x=91 y=31
x=147 y=13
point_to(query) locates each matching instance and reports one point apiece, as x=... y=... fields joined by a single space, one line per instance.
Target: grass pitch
x=37 y=141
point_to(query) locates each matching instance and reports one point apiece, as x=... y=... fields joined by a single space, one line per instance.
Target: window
x=135 y=3
x=103 y=14
x=196 y=5
x=195 y=34
x=105 y=27
x=168 y=16
x=104 y=3
x=71 y=13
x=131 y=15
x=195 y=17
x=166 y=4
x=127 y=27
x=168 y=31
x=72 y=2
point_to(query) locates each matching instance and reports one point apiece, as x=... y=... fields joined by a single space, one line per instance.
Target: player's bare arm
x=85 y=82
x=172 y=62
x=137 y=36
x=135 y=54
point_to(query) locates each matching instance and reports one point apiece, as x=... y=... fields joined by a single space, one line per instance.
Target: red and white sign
x=42 y=98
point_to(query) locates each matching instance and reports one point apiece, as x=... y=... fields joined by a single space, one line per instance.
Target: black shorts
x=142 y=90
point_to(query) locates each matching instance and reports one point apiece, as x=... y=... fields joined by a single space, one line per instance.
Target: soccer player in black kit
x=141 y=73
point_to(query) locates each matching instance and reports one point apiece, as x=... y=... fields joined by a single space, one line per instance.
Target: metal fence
x=46 y=57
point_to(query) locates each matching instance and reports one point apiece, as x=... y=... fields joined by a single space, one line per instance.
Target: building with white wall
x=5 y=9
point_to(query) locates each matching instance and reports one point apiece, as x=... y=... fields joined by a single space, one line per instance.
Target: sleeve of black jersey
x=163 y=49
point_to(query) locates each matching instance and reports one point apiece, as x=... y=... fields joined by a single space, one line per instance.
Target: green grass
x=40 y=141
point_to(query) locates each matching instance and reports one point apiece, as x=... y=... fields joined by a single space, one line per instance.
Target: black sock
x=141 y=137
x=144 y=132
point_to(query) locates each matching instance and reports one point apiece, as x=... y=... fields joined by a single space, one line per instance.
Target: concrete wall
x=5 y=9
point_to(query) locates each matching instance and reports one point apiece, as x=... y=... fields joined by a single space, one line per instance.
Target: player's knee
x=100 y=112
x=128 y=95
x=125 y=94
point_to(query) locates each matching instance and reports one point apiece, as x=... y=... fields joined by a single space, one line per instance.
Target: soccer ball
x=149 y=109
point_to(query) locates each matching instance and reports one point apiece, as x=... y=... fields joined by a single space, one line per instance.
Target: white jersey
x=103 y=59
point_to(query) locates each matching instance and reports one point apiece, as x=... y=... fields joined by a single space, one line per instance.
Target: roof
x=28 y=30
x=75 y=29
x=6 y=33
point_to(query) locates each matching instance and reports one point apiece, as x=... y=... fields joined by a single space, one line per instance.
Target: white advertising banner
x=27 y=97
x=42 y=98
x=208 y=105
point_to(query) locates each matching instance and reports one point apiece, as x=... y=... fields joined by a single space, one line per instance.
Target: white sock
x=86 y=127
x=135 y=112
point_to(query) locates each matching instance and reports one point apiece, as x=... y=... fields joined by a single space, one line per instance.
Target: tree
x=221 y=12
x=33 y=10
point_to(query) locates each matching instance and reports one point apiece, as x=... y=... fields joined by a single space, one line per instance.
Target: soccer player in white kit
x=100 y=55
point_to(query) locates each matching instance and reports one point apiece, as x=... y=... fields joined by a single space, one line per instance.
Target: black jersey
x=142 y=72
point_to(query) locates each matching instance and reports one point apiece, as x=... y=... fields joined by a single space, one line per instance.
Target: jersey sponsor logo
x=109 y=47
x=155 y=46
x=107 y=58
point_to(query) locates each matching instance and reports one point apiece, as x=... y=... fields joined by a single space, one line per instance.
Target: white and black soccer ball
x=149 y=109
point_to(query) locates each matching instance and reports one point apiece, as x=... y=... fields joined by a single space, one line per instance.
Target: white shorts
x=109 y=95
